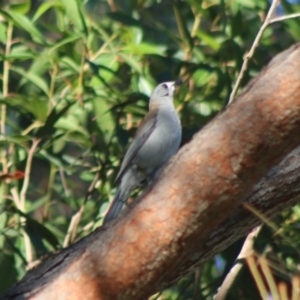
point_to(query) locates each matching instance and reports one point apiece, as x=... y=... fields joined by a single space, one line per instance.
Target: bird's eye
x=165 y=86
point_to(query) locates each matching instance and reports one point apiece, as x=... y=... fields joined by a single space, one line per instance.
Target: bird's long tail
x=127 y=185
x=116 y=207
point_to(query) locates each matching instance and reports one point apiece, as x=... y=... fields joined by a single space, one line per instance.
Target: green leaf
x=70 y=63
x=132 y=62
x=20 y=52
x=34 y=78
x=44 y=7
x=24 y=23
x=20 y=56
x=102 y=74
x=52 y=119
x=39 y=108
x=51 y=158
x=3 y=224
x=144 y=48
x=37 y=232
x=70 y=124
x=65 y=41
x=208 y=40
x=32 y=104
x=21 y=7
x=202 y=76
x=2 y=33
x=74 y=10
x=124 y=19
x=16 y=139
x=7 y=263
x=102 y=111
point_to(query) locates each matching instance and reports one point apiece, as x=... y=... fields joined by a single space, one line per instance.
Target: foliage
x=75 y=83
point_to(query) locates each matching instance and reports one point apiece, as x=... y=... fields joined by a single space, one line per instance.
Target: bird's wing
x=144 y=131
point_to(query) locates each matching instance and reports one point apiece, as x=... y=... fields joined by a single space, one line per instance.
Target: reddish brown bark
x=178 y=223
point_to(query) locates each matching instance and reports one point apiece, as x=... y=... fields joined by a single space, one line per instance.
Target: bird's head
x=165 y=89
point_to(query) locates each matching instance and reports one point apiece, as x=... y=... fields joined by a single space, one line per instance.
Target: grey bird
x=156 y=140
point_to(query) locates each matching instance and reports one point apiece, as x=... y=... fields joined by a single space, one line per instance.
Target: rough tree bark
x=194 y=210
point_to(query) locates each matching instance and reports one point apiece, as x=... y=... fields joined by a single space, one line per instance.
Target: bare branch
x=283 y=18
x=246 y=251
x=253 y=47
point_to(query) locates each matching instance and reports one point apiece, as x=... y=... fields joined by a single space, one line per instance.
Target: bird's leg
x=154 y=175
x=138 y=174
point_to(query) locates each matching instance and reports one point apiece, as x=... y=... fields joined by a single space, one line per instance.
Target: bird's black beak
x=178 y=82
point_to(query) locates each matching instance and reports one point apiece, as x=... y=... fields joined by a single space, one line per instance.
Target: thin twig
x=81 y=76
x=6 y=66
x=283 y=18
x=246 y=251
x=27 y=243
x=102 y=48
x=71 y=234
x=54 y=73
x=197 y=21
x=295 y=287
x=15 y=196
x=5 y=85
x=112 y=5
x=49 y=190
x=27 y=172
x=257 y=276
x=252 y=50
x=283 y=291
x=269 y=278
x=196 y=292
x=64 y=182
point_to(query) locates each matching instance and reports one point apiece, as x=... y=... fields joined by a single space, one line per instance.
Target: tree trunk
x=195 y=209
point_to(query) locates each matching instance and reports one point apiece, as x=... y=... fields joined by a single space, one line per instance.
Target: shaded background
x=75 y=81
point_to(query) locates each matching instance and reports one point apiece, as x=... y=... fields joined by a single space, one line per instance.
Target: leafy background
x=75 y=80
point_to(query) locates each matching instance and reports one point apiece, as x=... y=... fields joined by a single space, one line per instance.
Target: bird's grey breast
x=164 y=140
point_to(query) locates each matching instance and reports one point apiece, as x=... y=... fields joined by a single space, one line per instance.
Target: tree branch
x=194 y=210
